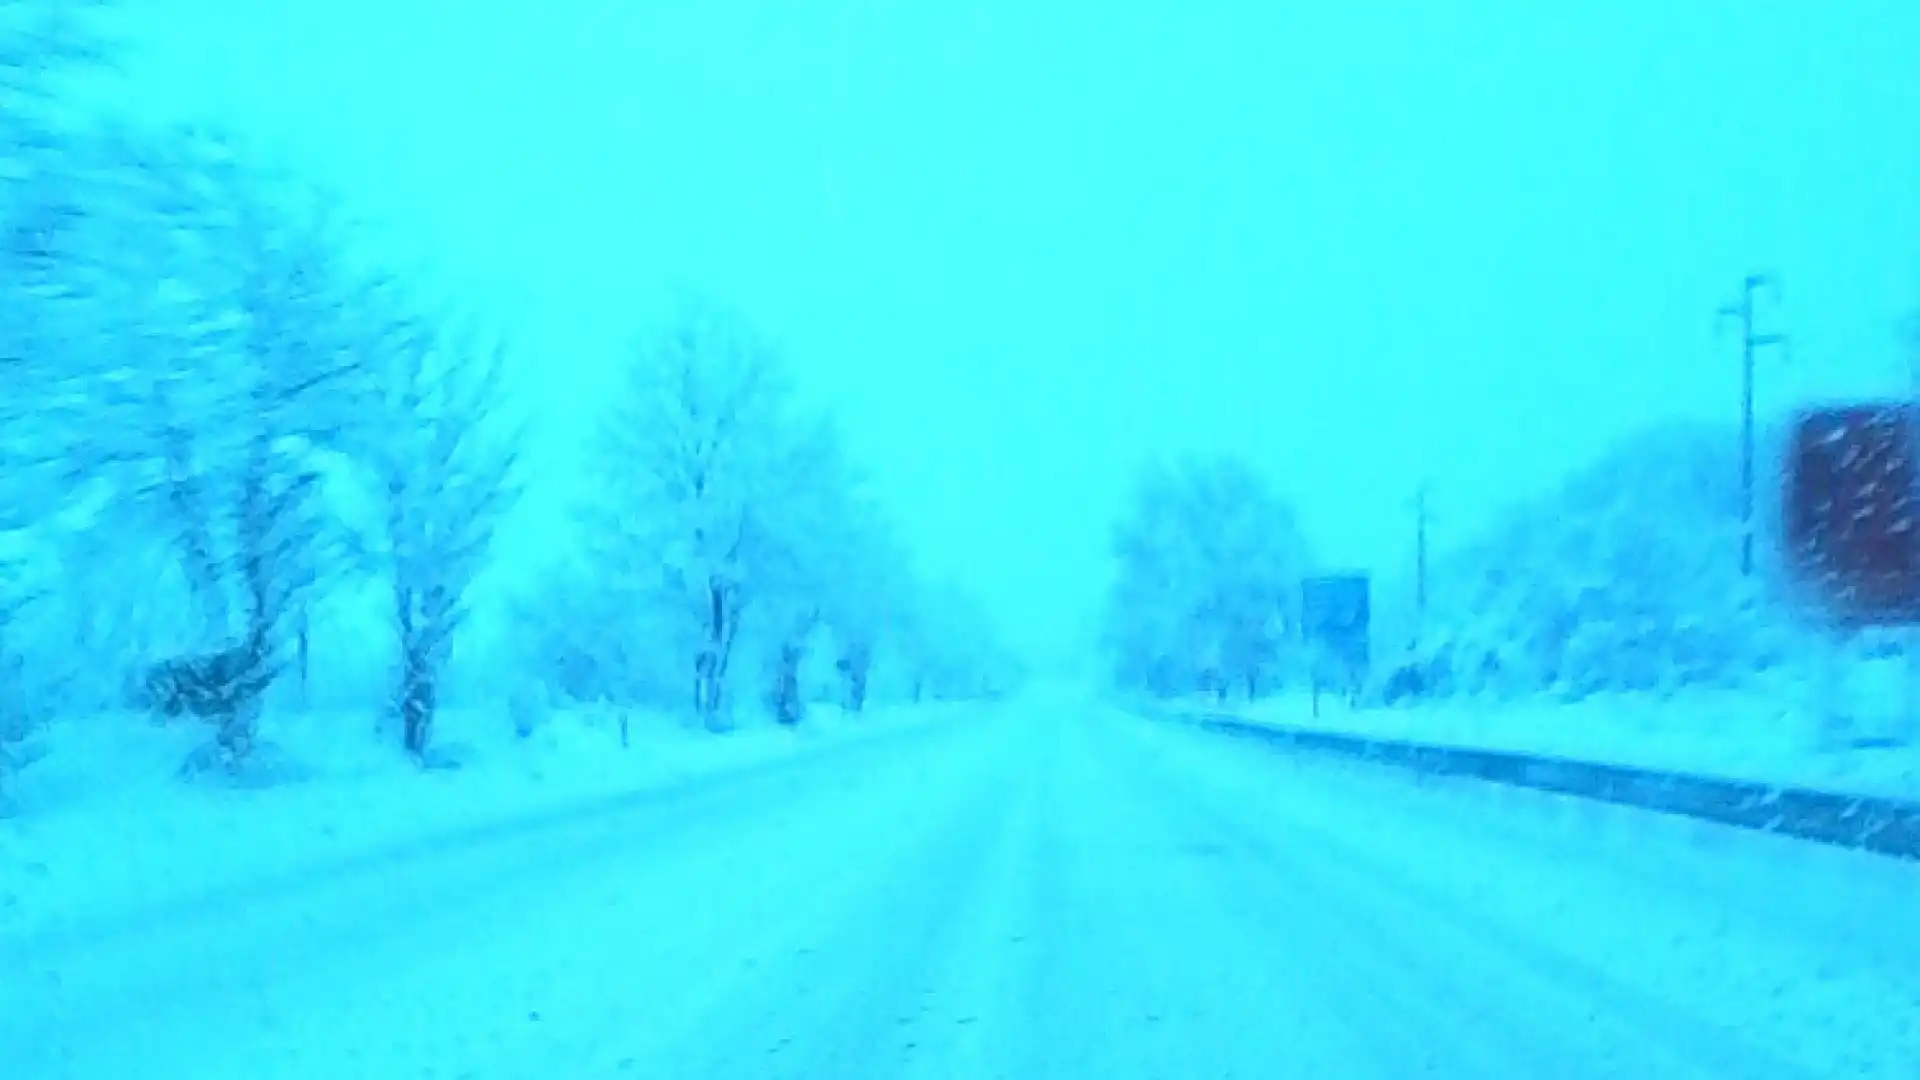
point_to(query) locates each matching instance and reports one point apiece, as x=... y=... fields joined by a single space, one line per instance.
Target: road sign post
x=1335 y=617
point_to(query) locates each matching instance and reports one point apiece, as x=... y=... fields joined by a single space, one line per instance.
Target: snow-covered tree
x=699 y=453
x=828 y=569
x=446 y=475
x=582 y=639
x=728 y=538
x=872 y=583
x=1208 y=565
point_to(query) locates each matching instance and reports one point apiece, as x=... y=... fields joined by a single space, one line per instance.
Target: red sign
x=1849 y=511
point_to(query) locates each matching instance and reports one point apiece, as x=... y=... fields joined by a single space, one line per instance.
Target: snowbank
x=108 y=825
x=1765 y=733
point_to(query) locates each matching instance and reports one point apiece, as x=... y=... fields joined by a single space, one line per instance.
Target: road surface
x=1040 y=892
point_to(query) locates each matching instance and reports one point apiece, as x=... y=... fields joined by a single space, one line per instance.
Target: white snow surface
x=1041 y=890
x=1766 y=733
x=107 y=825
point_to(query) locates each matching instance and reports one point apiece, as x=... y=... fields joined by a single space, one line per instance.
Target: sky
x=1020 y=248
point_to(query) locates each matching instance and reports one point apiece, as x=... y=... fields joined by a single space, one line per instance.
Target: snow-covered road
x=1042 y=892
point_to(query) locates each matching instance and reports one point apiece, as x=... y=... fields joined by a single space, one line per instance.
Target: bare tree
x=447 y=477
x=42 y=43
x=229 y=372
x=173 y=353
x=42 y=194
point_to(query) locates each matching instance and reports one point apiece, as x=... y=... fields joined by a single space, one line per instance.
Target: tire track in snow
x=385 y=955
x=1529 y=1004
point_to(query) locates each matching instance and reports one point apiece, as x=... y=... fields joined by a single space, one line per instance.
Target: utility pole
x=1741 y=310
x=1420 y=517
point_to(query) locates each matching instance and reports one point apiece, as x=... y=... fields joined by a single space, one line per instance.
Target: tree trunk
x=426 y=621
x=702 y=665
x=228 y=687
x=709 y=692
x=418 y=700
x=857 y=690
x=303 y=651
x=239 y=727
x=13 y=729
x=853 y=666
x=200 y=560
x=787 y=707
x=248 y=669
x=711 y=668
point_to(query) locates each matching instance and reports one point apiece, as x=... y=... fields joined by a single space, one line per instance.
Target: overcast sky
x=1021 y=245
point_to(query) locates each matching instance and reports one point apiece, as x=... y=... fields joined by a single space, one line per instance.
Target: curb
x=1877 y=824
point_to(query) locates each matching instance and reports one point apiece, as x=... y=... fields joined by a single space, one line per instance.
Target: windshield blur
x=845 y=540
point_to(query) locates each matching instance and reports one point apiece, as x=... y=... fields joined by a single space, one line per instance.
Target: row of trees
x=728 y=545
x=193 y=356
x=216 y=416
x=1622 y=577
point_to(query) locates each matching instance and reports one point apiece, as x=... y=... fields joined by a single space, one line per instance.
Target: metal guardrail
x=1884 y=826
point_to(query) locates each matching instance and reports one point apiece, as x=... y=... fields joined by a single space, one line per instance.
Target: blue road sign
x=1335 y=613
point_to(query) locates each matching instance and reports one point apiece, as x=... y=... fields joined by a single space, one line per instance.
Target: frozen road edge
x=1875 y=824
